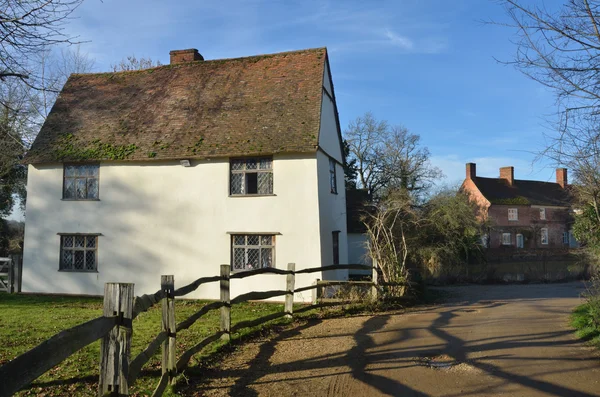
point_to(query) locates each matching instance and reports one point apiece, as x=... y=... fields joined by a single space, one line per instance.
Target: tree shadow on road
x=380 y=351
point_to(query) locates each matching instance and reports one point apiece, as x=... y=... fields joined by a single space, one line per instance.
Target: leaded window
x=252 y=251
x=81 y=182
x=79 y=253
x=332 y=177
x=544 y=236
x=251 y=176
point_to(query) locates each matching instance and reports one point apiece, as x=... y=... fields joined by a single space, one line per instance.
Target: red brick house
x=522 y=213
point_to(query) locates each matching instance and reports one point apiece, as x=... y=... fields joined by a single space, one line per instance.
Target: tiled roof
x=233 y=107
x=498 y=191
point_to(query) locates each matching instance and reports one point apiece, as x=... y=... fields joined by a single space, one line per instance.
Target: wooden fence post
x=316 y=293
x=226 y=299
x=19 y=265
x=11 y=276
x=167 y=285
x=374 y=277
x=289 y=286
x=116 y=344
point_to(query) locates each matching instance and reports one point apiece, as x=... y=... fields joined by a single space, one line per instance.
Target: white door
x=519 y=241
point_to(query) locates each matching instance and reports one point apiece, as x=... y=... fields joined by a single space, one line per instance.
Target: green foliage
x=350 y=170
x=69 y=150
x=586 y=318
x=451 y=232
x=13 y=174
x=586 y=228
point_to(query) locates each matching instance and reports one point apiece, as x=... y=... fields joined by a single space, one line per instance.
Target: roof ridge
x=515 y=180
x=274 y=54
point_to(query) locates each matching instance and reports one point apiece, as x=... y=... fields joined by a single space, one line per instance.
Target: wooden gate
x=10 y=274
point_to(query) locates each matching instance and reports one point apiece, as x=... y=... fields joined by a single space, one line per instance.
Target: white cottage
x=184 y=167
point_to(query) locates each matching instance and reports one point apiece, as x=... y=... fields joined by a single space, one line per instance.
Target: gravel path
x=486 y=341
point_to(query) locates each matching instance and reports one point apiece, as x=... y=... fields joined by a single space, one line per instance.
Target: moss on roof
x=230 y=107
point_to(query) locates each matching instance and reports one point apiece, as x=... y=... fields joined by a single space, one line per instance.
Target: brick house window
x=251 y=176
x=544 y=236
x=252 y=251
x=566 y=238
x=336 y=247
x=542 y=214
x=485 y=241
x=79 y=252
x=513 y=214
x=80 y=181
x=506 y=239
x=332 y=176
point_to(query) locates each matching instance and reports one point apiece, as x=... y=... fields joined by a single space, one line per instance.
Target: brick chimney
x=561 y=177
x=471 y=170
x=508 y=173
x=182 y=56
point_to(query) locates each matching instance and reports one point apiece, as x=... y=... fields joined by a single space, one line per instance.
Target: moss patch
x=67 y=150
x=512 y=201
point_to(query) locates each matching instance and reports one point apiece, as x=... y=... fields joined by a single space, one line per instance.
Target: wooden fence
x=117 y=371
x=10 y=273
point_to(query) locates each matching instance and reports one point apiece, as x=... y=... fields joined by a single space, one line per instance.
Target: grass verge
x=583 y=321
x=28 y=320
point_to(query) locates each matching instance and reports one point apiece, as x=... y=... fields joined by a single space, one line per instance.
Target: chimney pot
x=561 y=177
x=183 y=56
x=471 y=170
x=508 y=173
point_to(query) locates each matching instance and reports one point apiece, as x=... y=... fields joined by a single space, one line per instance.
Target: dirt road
x=486 y=341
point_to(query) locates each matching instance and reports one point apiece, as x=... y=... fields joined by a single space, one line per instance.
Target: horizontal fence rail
x=118 y=372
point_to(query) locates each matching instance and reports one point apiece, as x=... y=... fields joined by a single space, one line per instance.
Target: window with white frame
x=251 y=176
x=79 y=252
x=485 y=241
x=542 y=214
x=513 y=214
x=506 y=239
x=80 y=181
x=544 y=236
x=332 y=176
x=520 y=240
x=252 y=251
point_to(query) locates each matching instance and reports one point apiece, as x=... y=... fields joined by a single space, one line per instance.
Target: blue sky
x=428 y=65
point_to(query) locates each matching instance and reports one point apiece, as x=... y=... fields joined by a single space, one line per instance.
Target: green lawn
x=28 y=320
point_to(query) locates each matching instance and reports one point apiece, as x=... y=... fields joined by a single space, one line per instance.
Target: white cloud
x=399 y=41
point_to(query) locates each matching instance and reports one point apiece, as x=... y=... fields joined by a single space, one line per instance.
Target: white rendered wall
x=357 y=252
x=332 y=208
x=329 y=139
x=161 y=218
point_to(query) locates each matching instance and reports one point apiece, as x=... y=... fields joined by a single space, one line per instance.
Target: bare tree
x=388 y=158
x=560 y=49
x=391 y=235
x=24 y=112
x=132 y=63
x=26 y=29
x=54 y=69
